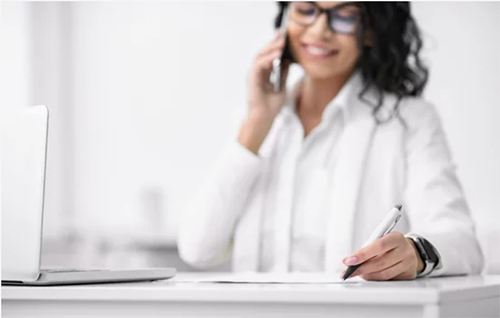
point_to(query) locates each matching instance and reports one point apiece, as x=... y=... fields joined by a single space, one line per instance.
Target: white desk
x=475 y=296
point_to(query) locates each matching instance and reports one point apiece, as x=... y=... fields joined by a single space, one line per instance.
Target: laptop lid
x=23 y=156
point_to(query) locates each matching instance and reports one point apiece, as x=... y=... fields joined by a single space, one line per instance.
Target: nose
x=320 y=26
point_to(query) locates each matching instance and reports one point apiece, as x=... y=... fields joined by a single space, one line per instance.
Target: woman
x=315 y=169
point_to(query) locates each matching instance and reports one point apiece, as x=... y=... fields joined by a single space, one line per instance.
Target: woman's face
x=321 y=52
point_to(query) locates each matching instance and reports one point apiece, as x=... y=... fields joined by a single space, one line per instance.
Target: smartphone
x=277 y=71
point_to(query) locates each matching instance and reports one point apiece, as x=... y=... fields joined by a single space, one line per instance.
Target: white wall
x=147 y=91
x=15 y=57
x=50 y=75
x=33 y=71
x=154 y=96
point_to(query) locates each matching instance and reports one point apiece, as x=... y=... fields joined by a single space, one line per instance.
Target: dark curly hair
x=391 y=63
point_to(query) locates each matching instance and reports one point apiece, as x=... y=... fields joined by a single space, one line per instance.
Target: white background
x=142 y=96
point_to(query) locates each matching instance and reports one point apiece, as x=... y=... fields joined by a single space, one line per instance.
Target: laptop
x=23 y=153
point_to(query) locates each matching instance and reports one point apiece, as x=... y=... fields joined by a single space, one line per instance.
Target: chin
x=325 y=71
x=321 y=72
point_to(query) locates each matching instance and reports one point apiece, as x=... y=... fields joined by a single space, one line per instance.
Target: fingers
x=378 y=247
x=379 y=263
x=387 y=274
x=265 y=62
x=391 y=257
x=277 y=43
x=270 y=52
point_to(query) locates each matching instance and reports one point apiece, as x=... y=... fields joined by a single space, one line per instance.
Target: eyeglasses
x=344 y=18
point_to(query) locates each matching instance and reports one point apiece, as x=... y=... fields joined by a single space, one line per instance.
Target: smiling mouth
x=318 y=52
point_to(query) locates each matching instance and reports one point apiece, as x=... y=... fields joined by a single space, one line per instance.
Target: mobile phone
x=277 y=71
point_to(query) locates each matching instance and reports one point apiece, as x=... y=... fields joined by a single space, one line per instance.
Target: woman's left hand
x=392 y=257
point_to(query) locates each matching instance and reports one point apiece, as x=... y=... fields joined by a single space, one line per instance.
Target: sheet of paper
x=264 y=278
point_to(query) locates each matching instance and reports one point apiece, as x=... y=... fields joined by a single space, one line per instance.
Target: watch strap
x=427 y=252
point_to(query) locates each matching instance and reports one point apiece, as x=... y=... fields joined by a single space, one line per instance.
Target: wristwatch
x=427 y=252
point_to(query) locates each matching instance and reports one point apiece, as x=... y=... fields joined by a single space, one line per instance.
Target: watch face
x=421 y=250
x=428 y=250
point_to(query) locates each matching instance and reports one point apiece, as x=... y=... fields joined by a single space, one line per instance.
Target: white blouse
x=312 y=155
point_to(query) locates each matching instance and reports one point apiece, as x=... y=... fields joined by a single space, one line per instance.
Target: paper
x=264 y=278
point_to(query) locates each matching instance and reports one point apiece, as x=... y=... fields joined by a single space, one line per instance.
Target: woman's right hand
x=263 y=102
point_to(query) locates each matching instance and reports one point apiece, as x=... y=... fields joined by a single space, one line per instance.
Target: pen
x=385 y=227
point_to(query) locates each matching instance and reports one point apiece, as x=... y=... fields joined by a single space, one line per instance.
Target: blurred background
x=142 y=96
